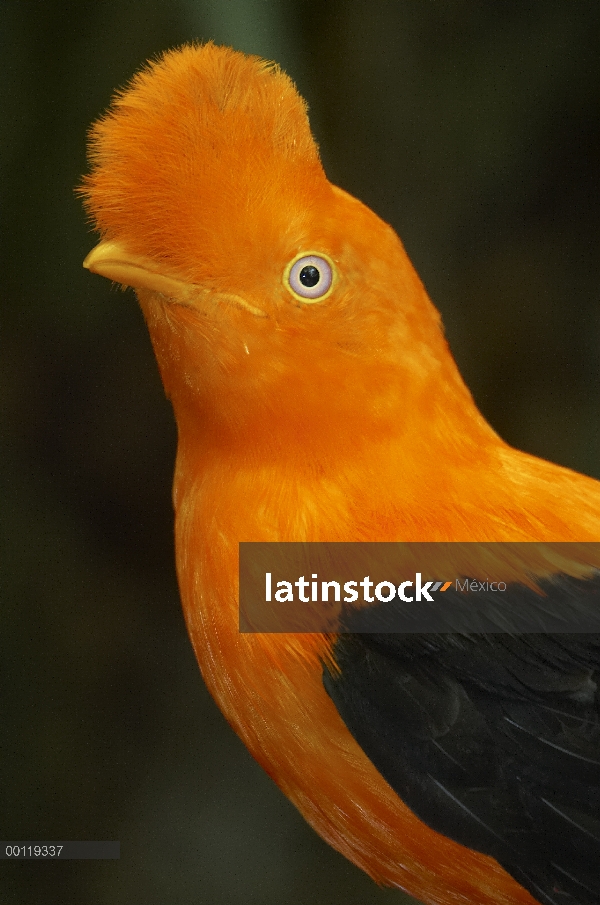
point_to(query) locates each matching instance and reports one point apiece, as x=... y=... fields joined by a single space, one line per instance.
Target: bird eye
x=309 y=277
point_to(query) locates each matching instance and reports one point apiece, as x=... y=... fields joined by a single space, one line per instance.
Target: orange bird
x=316 y=400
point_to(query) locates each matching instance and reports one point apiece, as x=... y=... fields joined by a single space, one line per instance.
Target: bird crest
x=199 y=140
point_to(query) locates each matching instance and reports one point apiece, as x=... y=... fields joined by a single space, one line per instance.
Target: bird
x=317 y=401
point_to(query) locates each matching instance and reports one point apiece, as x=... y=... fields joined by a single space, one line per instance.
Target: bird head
x=282 y=310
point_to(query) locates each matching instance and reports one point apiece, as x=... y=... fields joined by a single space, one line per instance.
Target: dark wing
x=492 y=740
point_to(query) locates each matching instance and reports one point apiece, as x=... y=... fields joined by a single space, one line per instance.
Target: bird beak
x=110 y=259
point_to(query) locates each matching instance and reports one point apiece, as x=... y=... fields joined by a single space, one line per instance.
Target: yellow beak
x=110 y=259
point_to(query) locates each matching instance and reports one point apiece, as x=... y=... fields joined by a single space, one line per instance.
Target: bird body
x=337 y=417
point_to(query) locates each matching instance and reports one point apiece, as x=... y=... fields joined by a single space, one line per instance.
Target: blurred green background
x=474 y=129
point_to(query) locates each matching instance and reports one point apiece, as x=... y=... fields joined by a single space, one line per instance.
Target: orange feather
x=340 y=420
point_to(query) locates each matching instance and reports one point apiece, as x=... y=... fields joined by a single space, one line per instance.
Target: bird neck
x=284 y=487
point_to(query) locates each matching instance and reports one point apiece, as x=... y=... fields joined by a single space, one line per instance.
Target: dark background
x=474 y=129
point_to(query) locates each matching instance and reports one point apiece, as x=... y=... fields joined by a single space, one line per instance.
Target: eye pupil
x=309 y=276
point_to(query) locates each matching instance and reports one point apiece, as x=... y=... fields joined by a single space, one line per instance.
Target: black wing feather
x=492 y=740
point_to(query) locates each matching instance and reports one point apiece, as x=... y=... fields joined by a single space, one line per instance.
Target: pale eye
x=309 y=277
